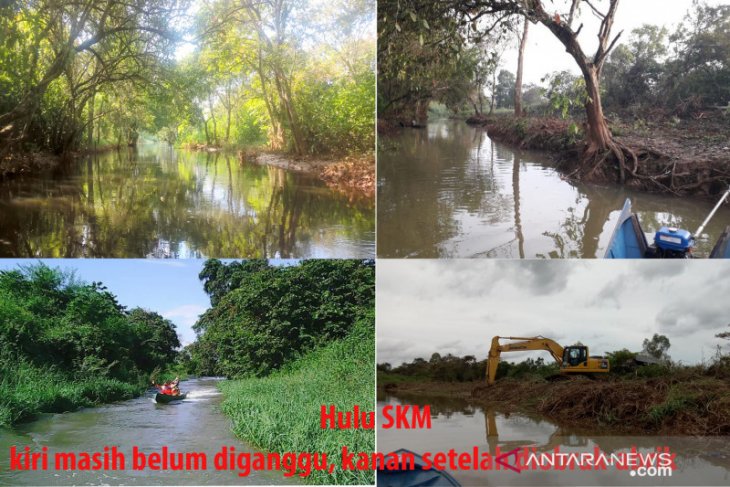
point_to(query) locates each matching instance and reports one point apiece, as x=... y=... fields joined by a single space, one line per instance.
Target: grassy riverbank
x=27 y=391
x=281 y=412
x=65 y=343
x=688 y=402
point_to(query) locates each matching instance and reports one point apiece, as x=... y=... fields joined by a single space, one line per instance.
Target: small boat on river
x=168 y=398
x=416 y=477
x=629 y=241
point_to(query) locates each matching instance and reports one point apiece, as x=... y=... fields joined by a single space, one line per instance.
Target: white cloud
x=457 y=306
x=185 y=317
x=186 y=314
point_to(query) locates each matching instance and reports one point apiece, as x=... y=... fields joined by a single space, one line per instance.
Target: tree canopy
x=82 y=74
x=50 y=319
x=264 y=316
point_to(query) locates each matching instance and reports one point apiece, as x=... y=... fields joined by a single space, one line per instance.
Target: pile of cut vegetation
x=688 y=405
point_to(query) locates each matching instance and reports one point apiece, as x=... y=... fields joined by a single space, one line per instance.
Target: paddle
x=698 y=233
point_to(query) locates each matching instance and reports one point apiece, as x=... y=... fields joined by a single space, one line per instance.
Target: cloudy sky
x=457 y=306
x=545 y=54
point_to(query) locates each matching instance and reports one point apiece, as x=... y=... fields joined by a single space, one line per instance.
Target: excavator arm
x=523 y=344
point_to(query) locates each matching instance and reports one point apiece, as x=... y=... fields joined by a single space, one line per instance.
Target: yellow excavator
x=573 y=360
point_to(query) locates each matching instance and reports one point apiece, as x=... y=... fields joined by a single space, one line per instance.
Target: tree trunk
x=422 y=112
x=520 y=63
x=212 y=118
x=287 y=107
x=90 y=134
x=494 y=90
x=599 y=135
x=276 y=134
x=228 y=123
x=207 y=134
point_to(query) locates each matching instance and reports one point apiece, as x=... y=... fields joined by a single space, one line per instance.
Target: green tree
x=657 y=347
x=265 y=316
x=505 y=89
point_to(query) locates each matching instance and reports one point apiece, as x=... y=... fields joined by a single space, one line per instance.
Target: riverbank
x=281 y=412
x=677 y=156
x=15 y=164
x=348 y=174
x=697 y=406
x=27 y=391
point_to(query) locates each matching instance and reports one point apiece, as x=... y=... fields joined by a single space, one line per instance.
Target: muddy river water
x=156 y=201
x=193 y=425
x=459 y=425
x=450 y=191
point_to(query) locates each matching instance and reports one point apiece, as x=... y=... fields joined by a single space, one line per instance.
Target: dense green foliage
x=65 y=343
x=61 y=60
x=683 y=72
x=426 y=53
x=263 y=317
x=339 y=374
x=304 y=332
x=225 y=73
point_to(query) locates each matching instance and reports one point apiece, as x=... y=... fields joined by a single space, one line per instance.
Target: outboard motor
x=673 y=243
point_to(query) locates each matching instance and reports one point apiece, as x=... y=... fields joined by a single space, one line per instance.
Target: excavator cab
x=575 y=355
x=574 y=359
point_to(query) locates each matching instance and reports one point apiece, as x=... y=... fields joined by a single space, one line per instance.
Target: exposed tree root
x=649 y=169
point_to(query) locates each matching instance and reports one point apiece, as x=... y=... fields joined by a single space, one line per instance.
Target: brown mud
x=695 y=406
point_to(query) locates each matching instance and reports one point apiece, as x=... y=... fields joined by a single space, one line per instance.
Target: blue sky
x=169 y=287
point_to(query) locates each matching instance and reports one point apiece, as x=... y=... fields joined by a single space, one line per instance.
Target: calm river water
x=193 y=425
x=450 y=191
x=459 y=425
x=156 y=201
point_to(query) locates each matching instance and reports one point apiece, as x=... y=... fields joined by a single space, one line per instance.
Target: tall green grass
x=27 y=390
x=281 y=413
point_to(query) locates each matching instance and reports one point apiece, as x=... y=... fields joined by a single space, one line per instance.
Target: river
x=450 y=191
x=193 y=425
x=156 y=201
x=460 y=425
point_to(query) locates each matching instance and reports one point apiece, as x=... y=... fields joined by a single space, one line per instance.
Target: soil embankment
x=686 y=157
x=13 y=164
x=353 y=173
x=662 y=405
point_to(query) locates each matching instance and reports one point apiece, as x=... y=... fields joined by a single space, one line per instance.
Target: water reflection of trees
x=172 y=204
x=544 y=435
x=431 y=174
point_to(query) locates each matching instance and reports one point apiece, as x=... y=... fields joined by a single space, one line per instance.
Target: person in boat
x=175 y=384
x=169 y=388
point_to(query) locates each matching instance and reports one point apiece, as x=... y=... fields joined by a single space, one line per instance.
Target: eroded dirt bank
x=667 y=406
x=677 y=156
x=352 y=173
